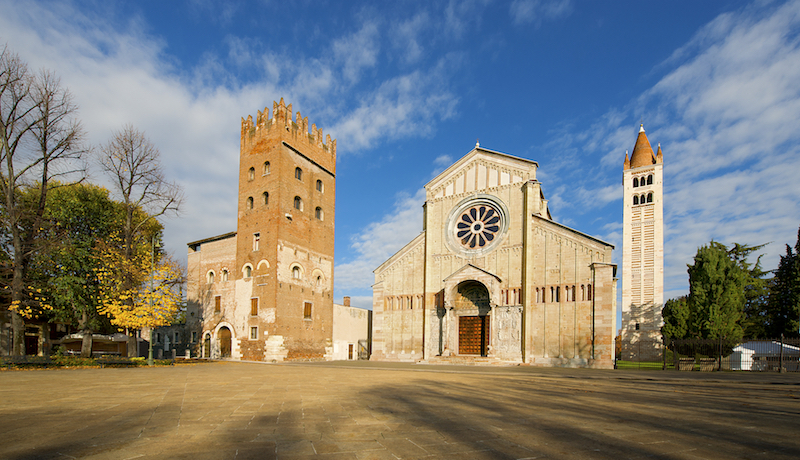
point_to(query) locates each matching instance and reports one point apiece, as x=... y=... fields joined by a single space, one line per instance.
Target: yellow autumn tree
x=138 y=292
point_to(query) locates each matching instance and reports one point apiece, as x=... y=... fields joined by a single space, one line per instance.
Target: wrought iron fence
x=755 y=355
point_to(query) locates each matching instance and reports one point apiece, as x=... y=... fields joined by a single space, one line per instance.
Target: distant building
x=493 y=278
x=265 y=292
x=642 y=252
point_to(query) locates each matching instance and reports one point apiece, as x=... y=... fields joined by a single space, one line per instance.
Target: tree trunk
x=18 y=331
x=86 y=345
x=133 y=345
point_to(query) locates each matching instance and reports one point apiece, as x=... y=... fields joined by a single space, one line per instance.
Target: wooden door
x=225 y=342
x=473 y=335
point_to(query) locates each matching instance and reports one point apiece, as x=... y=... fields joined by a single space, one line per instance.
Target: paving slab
x=368 y=410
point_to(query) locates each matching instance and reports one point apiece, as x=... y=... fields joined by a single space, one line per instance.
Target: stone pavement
x=367 y=410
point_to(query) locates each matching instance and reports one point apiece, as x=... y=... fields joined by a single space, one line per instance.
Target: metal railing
x=754 y=355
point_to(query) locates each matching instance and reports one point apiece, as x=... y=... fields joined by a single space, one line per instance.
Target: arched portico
x=466 y=317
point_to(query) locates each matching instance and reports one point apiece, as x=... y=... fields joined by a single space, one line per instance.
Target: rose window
x=477 y=226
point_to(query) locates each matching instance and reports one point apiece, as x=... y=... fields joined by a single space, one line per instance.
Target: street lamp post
x=150 y=298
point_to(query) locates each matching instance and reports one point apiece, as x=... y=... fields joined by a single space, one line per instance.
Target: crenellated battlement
x=297 y=129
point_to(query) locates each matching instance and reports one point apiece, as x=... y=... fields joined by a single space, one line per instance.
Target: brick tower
x=285 y=236
x=642 y=252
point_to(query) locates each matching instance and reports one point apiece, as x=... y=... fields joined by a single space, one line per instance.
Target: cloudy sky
x=408 y=87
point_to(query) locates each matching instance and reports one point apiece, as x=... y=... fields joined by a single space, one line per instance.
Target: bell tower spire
x=642 y=251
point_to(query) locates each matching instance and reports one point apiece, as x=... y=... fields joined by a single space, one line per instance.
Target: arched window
x=296 y=272
x=650 y=179
x=552 y=294
x=298 y=203
x=319 y=185
x=318 y=213
x=265 y=169
x=650 y=197
x=318 y=281
x=583 y=292
x=537 y=295
x=266 y=198
x=558 y=293
x=573 y=293
x=224 y=275
x=589 y=292
x=636 y=199
x=249 y=202
x=643 y=199
x=248 y=271
x=635 y=181
x=251 y=174
x=210 y=277
x=298 y=173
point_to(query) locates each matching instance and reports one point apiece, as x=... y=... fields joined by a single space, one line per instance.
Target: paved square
x=367 y=410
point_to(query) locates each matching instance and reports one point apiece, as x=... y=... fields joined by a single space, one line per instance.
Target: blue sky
x=407 y=87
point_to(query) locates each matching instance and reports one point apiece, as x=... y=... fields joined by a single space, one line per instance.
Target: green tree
x=80 y=217
x=783 y=309
x=676 y=318
x=716 y=294
x=756 y=290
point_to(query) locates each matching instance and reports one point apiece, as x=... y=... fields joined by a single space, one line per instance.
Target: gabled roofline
x=466 y=266
x=598 y=240
x=461 y=160
x=194 y=244
x=394 y=256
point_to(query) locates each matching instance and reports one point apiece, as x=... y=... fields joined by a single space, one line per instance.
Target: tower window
x=319 y=185
x=249 y=202
x=217 y=304
x=298 y=203
x=256 y=241
x=298 y=173
x=254 y=306
x=635 y=181
x=636 y=199
x=265 y=195
x=253 y=332
x=318 y=213
x=265 y=169
x=307 y=310
x=251 y=174
x=650 y=197
x=296 y=273
x=248 y=271
x=210 y=277
x=224 y=275
x=650 y=179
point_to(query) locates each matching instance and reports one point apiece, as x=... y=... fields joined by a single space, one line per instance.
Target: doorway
x=224 y=335
x=473 y=335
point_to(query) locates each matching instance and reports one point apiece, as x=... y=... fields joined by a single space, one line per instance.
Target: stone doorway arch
x=472 y=309
x=224 y=337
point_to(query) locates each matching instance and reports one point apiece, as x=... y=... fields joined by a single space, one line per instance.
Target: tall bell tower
x=285 y=238
x=642 y=252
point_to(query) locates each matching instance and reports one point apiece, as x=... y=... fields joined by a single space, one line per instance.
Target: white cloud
x=536 y=11
x=380 y=240
x=726 y=115
x=357 y=51
x=406 y=36
x=121 y=75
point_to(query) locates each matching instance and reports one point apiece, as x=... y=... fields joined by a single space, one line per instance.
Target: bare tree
x=39 y=141
x=133 y=164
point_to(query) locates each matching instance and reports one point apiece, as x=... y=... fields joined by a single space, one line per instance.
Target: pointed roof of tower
x=642 y=152
x=659 y=155
x=627 y=164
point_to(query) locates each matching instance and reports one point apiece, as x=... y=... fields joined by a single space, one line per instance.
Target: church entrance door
x=224 y=335
x=473 y=335
x=472 y=306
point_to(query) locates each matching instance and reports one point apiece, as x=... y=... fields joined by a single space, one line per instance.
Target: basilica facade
x=493 y=278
